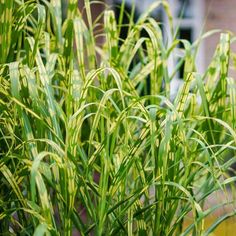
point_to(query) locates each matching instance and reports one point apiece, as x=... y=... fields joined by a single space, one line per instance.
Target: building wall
x=219 y=14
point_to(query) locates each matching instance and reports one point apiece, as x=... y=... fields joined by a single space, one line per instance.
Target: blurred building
x=192 y=17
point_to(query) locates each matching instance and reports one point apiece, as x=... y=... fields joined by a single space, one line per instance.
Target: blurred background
x=193 y=17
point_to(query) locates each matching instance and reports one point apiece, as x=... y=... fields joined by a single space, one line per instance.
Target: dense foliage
x=91 y=140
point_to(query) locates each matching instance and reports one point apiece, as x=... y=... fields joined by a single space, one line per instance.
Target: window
x=188 y=15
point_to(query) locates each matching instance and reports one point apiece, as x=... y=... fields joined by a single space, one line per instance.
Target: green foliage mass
x=90 y=139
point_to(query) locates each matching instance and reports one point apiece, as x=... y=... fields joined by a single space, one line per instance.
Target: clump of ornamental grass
x=90 y=139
